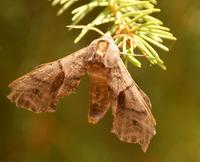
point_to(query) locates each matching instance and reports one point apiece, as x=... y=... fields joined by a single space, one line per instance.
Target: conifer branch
x=132 y=26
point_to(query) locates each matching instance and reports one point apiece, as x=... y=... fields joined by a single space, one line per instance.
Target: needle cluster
x=135 y=31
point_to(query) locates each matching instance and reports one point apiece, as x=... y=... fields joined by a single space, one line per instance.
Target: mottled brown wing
x=40 y=89
x=133 y=120
x=37 y=90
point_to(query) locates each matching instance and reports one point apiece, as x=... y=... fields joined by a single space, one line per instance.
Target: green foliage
x=131 y=26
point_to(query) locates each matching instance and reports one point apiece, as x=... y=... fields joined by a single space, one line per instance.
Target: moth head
x=102 y=47
x=103 y=51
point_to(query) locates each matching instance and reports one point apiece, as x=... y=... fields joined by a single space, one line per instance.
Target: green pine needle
x=131 y=26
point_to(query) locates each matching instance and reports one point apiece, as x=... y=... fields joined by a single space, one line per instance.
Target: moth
x=111 y=87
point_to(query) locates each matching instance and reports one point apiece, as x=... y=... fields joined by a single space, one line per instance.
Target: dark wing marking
x=75 y=68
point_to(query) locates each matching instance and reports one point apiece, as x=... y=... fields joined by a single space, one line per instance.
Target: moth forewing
x=40 y=89
x=133 y=120
x=74 y=67
x=37 y=90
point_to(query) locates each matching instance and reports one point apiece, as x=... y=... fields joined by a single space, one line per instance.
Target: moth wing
x=133 y=120
x=37 y=90
x=40 y=89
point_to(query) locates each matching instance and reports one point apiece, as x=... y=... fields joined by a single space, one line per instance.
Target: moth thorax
x=98 y=71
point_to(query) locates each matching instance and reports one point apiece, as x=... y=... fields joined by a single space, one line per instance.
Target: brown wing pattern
x=37 y=90
x=133 y=120
x=40 y=89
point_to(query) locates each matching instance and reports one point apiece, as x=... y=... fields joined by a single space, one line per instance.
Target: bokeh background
x=31 y=34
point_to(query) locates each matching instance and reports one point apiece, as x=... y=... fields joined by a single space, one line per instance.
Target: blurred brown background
x=31 y=34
